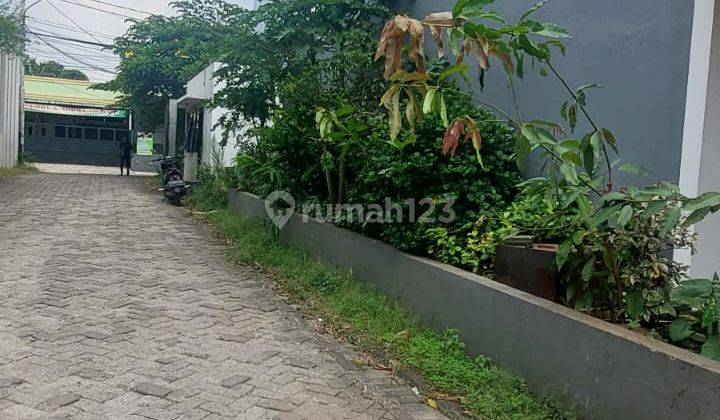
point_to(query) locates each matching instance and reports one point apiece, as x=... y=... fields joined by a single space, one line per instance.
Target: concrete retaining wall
x=601 y=370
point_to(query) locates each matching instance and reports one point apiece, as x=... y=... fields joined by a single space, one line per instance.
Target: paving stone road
x=116 y=305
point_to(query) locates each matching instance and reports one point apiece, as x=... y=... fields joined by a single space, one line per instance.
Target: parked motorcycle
x=174 y=187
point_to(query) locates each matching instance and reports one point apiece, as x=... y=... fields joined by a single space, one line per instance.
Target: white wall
x=204 y=86
x=700 y=165
x=11 y=76
x=707 y=260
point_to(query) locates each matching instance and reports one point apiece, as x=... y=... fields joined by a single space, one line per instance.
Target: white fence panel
x=11 y=75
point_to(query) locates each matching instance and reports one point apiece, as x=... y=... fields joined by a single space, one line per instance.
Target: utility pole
x=23 y=22
x=21 y=135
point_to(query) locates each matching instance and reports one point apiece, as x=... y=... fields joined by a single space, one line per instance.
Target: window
x=90 y=133
x=107 y=135
x=29 y=130
x=74 y=132
x=60 y=131
x=43 y=131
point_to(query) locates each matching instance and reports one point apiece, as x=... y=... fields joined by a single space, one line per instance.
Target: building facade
x=192 y=127
x=67 y=122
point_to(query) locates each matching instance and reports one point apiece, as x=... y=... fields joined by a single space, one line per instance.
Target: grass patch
x=19 y=169
x=379 y=327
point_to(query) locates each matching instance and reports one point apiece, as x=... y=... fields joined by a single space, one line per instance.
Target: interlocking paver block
x=147 y=388
x=64 y=399
x=112 y=299
x=234 y=381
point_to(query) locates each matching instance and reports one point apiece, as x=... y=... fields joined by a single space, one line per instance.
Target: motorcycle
x=174 y=187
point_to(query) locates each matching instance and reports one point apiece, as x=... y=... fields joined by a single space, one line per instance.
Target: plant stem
x=505 y=114
x=517 y=125
x=587 y=116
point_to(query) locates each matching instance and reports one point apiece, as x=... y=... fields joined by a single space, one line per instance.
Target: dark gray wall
x=638 y=49
x=602 y=371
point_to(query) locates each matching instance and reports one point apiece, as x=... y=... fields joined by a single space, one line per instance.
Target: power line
x=37 y=51
x=79 y=41
x=124 y=7
x=66 y=27
x=69 y=46
x=73 y=21
x=73 y=58
x=100 y=10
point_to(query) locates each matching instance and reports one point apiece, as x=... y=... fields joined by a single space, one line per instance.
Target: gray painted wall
x=638 y=49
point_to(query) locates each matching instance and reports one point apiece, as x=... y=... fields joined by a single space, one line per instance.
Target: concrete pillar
x=172 y=128
x=700 y=164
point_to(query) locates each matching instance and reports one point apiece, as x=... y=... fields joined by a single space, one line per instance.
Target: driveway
x=115 y=305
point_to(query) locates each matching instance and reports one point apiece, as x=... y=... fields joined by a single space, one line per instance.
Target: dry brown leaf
x=438 y=22
x=451 y=140
x=417 y=53
x=391 y=43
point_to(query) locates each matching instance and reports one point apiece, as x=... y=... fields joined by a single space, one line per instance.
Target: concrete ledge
x=602 y=370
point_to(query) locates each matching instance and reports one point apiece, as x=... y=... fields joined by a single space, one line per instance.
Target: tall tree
x=52 y=69
x=160 y=54
x=10 y=28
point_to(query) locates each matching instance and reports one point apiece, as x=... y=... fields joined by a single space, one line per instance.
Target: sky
x=91 y=20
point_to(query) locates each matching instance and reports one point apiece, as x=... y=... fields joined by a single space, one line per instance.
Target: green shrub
x=211 y=190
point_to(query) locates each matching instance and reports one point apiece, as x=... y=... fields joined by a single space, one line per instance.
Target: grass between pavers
x=377 y=325
x=18 y=169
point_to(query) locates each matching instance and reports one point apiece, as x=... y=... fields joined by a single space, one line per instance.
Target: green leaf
x=614 y=196
x=588 y=270
x=635 y=304
x=708 y=199
x=610 y=139
x=539 y=51
x=345 y=110
x=470 y=6
x=602 y=215
x=696 y=217
x=395 y=116
x=462 y=69
x=429 y=101
x=587 y=86
x=572 y=116
x=569 y=172
x=533 y=9
x=443 y=110
x=693 y=293
x=634 y=168
x=588 y=157
x=672 y=218
x=680 y=330
x=563 y=253
x=624 y=217
x=654 y=208
x=711 y=348
x=551 y=30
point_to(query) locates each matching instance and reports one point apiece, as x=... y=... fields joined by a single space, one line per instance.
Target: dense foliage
x=52 y=68
x=160 y=54
x=11 y=36
x=613 y=252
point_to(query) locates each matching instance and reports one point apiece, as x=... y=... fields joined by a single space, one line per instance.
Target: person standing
x=125 y=155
